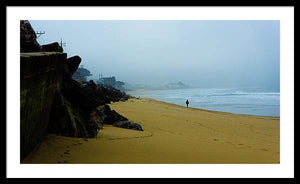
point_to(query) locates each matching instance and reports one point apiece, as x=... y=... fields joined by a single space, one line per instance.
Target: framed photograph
x=150 y=92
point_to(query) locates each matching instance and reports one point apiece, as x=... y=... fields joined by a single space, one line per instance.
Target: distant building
x=178 y=85
x=111 y=81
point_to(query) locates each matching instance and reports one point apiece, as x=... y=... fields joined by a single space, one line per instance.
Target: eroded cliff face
x=51 y=101
x=41 y=79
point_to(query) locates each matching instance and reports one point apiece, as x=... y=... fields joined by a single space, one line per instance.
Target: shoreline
x=216 y=99
x=172 y=134
x=212 y=111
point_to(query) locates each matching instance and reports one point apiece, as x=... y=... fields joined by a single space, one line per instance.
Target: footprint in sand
x=216 y=139
x=240 y=144
x=230 y=143
x=77 y=143
x=263 y=149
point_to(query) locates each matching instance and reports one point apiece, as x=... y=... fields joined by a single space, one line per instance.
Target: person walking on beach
x=187 y=103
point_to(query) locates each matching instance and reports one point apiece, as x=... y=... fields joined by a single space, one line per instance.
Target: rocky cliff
x=51 y=101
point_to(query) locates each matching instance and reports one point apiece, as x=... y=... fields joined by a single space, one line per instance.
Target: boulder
x=28 y=38
x=123 y=99
x=91 y=85
x=128 y=125
x=112 y=117
x=117 y=117
x=104 y=94
x=73 y=122
x=95 y=124
x=52 y=47
x=96 y=93
x=73 y=63
x=64 y=120
x=78 y=96
x=103 y=111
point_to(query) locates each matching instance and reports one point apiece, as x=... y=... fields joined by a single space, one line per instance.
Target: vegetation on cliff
x=82 y=74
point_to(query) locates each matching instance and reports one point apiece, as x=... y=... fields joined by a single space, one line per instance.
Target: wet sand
x=172 y=134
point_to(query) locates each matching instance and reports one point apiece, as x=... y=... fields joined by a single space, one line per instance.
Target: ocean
x=249 y=101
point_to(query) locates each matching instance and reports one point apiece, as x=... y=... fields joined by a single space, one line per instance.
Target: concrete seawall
x=41 y=77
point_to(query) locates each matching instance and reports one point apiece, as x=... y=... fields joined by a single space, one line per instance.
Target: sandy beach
x=172 y=134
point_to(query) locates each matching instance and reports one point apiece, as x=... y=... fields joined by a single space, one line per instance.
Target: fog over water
x=199 y=53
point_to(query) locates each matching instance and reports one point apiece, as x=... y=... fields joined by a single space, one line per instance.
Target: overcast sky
x=198 y=53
